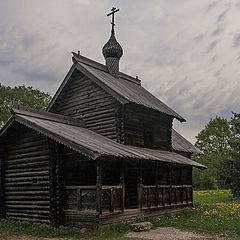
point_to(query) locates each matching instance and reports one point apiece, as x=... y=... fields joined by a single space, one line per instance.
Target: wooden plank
x=170 y=183
x=157 y=182
x=2 y=175
x=52 y=183
x=140 y=184
x=122 y=182
x=99 y=186
x=60 y=183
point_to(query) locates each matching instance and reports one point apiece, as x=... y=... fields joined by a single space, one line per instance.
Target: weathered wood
x=86 y=100
x=182 y=185
x=99 y=186
x=122 y=182
x=52 y=182
x=140 y=185
x=157 y=183
x=2 y=180
x=60 y=184
x=170 y=183
x=139 y=119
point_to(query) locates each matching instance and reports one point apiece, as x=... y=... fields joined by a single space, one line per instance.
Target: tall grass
x=214 y=212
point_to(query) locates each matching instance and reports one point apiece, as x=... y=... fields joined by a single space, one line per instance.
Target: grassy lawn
x=214 y=212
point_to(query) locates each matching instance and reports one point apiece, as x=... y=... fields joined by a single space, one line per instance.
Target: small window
x=34 y=181
x=148 y=138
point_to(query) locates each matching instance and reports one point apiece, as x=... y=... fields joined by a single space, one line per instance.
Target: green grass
x=214 y=213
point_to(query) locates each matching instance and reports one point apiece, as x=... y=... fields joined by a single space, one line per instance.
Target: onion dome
x=112 y=48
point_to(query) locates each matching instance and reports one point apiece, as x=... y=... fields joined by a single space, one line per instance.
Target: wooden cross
x=113 y=11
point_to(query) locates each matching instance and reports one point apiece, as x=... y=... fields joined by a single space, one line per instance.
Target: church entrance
x=131 y=184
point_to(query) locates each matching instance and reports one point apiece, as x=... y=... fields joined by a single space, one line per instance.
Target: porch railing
x=163 y=195
x=80 y=198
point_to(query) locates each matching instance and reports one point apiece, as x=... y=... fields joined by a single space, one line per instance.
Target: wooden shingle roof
x=125 y=89
x=181 y=144
x=87 y=142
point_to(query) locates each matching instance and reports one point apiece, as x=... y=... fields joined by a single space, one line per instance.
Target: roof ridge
x=27 y=111
x=79 y=58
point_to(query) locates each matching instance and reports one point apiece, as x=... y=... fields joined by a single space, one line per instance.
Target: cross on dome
x=113 y=11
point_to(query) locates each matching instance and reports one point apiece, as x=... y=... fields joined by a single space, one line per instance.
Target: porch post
x=60 y=184
x=52 y=182
x=99 y=186
x=181 y=173
x=156 y=182
x=122 y=182
x=170 y=183
x=2 y=176
x=140 y=184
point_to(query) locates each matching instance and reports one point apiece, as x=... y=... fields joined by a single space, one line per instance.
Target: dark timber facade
x=104 y=151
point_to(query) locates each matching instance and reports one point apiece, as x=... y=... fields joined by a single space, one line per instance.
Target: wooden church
x=103 y=151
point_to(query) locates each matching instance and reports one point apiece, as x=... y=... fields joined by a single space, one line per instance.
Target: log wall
x=2 y=167
x=84 y=99
x=140 y=122
x=26 y=180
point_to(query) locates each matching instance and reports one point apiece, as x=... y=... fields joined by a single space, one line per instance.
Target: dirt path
x=158 y=234
x=166 y=234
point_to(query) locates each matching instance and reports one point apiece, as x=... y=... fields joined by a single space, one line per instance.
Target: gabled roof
x=125 y=89
x=73 y=135
x=181 y=144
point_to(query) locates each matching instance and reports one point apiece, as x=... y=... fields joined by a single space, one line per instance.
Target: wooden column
x=157 y=183
x=122 y=183
x=181 y=175
x=140 y=184
x=2 y=176
x=99 y=186
x=52 y=182
x=60 y=184
x=170 y=183
x=191 y=190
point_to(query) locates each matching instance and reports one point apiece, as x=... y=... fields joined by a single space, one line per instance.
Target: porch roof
x=73 y=134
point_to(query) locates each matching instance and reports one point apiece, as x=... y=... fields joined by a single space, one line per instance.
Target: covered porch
x=115 y=189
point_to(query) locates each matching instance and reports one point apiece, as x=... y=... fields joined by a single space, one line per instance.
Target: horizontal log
x=33 y=138
x=27 y=145
x=86 y=109
x=27 y=207
x=23 y=218
x=88 y=95
x=27 y=193
x=100 y=101
x=26 y=188
x=38 y=148
x=29 y=183
x=22 y=174
x=24 y=165
x=29 y=215
x=24 y=179
x=43 y=168
x=28 y=155
x=27 y=202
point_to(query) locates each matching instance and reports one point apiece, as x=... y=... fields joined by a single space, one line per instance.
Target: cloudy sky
x=186 y=52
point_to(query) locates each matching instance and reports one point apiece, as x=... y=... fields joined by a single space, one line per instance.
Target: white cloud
x=186 y=52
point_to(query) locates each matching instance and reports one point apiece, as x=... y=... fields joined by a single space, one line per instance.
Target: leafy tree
x=214 y=142
x=232 y=164
x=26 y=96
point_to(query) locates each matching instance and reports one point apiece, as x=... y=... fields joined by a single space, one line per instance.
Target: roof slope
x=179 y=143
x=88 y=142
x=125 y=88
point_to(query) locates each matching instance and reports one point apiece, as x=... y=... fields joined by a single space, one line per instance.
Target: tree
x=214 y=142
x=232 y=164
x=26 y=96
